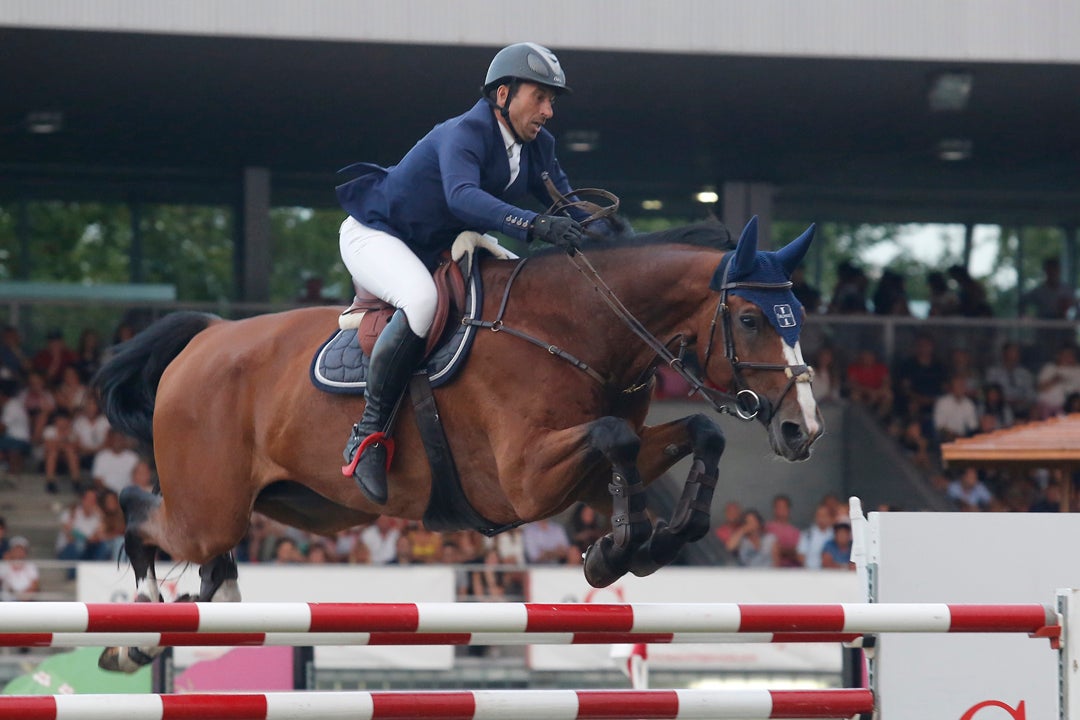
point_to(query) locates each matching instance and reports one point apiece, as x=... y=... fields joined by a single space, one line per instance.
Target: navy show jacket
x=453 y=179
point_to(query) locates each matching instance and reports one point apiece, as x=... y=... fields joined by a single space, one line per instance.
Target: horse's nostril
x=793 y=433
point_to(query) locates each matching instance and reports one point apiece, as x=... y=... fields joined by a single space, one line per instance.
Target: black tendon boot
x=393 y=360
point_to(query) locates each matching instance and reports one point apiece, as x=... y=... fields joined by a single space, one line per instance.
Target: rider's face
x=531 y=107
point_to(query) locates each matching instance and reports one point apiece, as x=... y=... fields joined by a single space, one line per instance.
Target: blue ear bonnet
x=748 y=264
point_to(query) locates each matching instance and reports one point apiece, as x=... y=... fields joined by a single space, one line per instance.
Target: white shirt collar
x=508 y=137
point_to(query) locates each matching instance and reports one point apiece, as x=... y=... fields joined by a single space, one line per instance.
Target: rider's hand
x=557 y=230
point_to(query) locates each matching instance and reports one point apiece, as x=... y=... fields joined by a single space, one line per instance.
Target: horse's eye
x=748 y=321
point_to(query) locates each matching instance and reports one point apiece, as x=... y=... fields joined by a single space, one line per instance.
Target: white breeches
x=385 y=267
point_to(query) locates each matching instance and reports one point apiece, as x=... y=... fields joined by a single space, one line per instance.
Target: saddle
x=368 y=315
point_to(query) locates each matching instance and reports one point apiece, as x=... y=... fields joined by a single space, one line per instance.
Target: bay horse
x=236 y=426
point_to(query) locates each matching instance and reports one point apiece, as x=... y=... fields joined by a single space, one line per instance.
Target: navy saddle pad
x=340 y=366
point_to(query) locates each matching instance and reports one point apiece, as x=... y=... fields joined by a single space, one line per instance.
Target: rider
x=468 y=173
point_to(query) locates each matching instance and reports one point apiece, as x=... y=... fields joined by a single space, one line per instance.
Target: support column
x=253 y=254
x=743 y=200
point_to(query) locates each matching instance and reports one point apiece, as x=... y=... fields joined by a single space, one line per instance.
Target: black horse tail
x=127 y=383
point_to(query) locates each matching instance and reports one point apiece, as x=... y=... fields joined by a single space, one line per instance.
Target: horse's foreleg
x=691 y=519
x=219 y=580
x=609 y=558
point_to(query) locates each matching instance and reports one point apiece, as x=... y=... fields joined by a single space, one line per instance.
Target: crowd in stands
x=51 y=425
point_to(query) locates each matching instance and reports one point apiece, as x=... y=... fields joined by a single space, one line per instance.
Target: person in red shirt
x=54 y=358
x=787 y=535
x=869 y=383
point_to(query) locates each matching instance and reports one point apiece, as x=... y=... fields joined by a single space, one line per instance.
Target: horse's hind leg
x=609 y=558
x=690 y=520
x=137 y=505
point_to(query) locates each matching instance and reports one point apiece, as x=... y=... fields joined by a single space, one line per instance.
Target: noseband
x=747 y=403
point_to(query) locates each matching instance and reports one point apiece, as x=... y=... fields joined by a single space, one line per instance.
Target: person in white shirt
x=955 y=414
x=91 y=428
x=14 y=429
x=381 y=539
x=812 y=540
x=1057 y=380
x=19 y=577
x=114 y=465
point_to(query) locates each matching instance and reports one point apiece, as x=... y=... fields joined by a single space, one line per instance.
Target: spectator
x=733 y=520
x=70 y=392
x=994 y=407
x=124 y=332
x=319 y=553
x=1056 y=380
x=804 y=292
x=961 y=365
x=1072 y=403
x=836 y=553
x=487 y=583
x=426 y=545
x=812 y=540
x=828 y=381
x=849 y=296
x=919 y=380
x=546 y=541
x=890 y=297
x=972 y=294
x=381 y=539
x=786 y=534
x=1051 y=299
x=1050 y=502
x=585 y=527
x=869 y=384
x=14 y=429
x=360 y=554
x=112 y=527
x=88 y=353
x=143 y=477
x=403 y=554
x=14 y=364
x=287 y=552
x=91 y=430
x=1016 y=381
x=751 y=545
x=52 y=359
x=114 y=465
x=943 y=301
x=511 y=547
x=38 y=403
x=955 y=414
x=19 y=577
x=969 y=492
x=60 y=443
x=915 y=444
x=81 y=529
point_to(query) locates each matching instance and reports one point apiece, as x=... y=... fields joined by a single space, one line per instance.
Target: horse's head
x=753 y=342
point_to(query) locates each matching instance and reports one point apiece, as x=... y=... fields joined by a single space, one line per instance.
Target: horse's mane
x=706 y=234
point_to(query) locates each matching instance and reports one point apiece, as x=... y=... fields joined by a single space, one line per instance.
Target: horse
x=235 y=425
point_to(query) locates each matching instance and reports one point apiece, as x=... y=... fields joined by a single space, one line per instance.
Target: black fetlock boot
x=393 y=361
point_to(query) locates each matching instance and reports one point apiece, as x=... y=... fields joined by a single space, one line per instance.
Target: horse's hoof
x=110 y=659
x=125 y=660
x=599 y=570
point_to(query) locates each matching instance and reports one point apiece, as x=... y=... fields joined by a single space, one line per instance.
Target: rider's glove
x=557 y=230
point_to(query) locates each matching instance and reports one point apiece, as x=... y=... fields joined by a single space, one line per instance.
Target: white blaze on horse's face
x=803 y=393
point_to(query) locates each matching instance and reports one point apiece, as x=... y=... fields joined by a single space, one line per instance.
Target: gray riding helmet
x=528 y=62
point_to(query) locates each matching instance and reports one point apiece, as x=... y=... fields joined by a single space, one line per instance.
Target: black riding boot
x=393 y=361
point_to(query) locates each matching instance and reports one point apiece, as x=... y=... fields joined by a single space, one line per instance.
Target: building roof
x=1053 y=442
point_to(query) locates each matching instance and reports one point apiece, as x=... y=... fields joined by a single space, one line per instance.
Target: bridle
x=743 y=403
x=747 y=402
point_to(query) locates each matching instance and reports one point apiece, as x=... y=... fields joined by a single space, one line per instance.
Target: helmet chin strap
x=504 y=110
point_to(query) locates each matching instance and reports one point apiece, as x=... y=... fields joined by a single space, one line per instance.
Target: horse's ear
x=792 y=254
x=745 y=251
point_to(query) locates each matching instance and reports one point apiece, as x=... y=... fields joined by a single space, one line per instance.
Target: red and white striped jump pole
x=60 y=617
x=199 y=639
x=457 y=705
